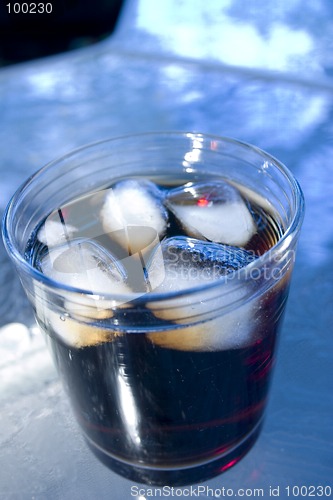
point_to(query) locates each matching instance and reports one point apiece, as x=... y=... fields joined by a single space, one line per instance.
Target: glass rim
x=290 y=232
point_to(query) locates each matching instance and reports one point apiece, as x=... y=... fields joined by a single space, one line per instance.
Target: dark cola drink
x=168 y=384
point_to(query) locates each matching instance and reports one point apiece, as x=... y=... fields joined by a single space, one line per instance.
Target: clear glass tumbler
x=169 y=387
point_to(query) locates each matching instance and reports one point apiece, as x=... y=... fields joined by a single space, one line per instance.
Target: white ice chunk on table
x=134 y=204
x=215 y=211
x=54 y=232
x=190 y=263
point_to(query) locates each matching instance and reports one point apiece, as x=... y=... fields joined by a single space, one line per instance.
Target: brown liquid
x=147 y=405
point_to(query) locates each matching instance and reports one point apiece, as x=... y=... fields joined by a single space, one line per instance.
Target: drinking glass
x=163 y=398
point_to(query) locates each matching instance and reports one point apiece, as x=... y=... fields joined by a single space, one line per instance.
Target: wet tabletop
x=262 y=75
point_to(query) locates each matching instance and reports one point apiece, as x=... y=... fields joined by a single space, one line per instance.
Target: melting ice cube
x=215 y=211
x=188 y=262
x=136 y=204
x=73 y=332
x=86 y=266
x=231 y=330
x=54 y=232
x=76 y=219
x=191 y=263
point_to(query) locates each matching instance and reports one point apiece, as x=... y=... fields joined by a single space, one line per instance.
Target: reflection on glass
x=127 y=407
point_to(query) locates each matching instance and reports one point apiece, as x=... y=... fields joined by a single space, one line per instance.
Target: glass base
x=178 y=476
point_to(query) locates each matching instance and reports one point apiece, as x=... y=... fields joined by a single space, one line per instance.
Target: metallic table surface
x=138 y=81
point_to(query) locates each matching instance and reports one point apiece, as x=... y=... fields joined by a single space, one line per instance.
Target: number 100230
x=29 y=8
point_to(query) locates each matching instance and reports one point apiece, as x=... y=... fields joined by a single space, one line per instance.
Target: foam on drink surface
x=136 y=238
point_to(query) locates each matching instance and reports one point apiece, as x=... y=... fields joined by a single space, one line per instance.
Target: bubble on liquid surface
x=212 y=210
x=133 y=203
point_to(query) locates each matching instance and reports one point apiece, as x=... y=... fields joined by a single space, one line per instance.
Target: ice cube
x=78 y=218
x=54 y=232
x=189 y=263
x=136 y=204
x=74 y=332
x=86 y=266
x=232 y=330
x=215 y=211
